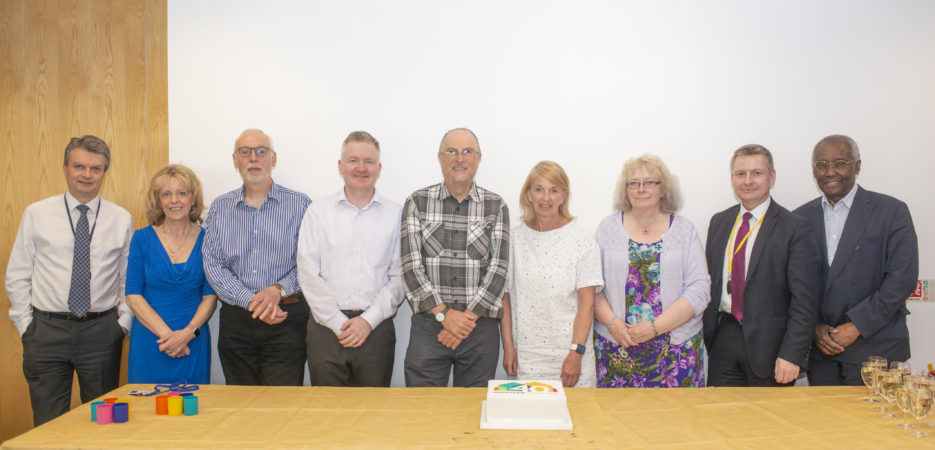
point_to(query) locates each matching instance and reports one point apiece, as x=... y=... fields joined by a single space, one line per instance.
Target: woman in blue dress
x=166 y=286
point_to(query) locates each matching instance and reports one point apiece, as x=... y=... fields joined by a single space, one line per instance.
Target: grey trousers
x=332 y=364
x=429 y=363
x=55 y=349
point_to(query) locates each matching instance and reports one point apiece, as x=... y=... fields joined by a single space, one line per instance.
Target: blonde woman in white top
x=555 y=269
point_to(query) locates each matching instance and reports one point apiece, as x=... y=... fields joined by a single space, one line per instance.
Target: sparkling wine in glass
x=892 y=381
x=866 y=375
x=925 y=380
x=878 y=374
x=902 y=399
x=901 y=367
x=920 y=403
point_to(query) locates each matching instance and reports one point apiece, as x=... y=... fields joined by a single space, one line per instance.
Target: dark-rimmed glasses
x=260 y=151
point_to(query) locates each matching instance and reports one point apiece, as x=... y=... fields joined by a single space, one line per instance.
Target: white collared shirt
x=348 y=259
x=39 y=272
x=835 y=218
x=756 y=213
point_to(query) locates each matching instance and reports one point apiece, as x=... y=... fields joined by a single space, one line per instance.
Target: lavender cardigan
x=683 y=271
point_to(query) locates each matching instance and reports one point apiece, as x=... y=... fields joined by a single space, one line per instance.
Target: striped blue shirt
x=246 y=249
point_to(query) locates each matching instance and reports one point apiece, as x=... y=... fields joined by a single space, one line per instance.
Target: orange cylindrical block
x=162 y=404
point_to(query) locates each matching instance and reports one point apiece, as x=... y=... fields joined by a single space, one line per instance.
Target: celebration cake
x=525 y=405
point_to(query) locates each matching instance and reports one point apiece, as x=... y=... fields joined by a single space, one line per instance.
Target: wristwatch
x=282 y=291
x=440 y=316
x=196 y=332
x=578 y=348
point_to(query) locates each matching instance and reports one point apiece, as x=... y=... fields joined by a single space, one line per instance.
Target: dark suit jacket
x=875 y=269
x=780 y=308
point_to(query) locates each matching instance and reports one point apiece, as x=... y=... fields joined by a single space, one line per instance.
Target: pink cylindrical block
x=105 y=413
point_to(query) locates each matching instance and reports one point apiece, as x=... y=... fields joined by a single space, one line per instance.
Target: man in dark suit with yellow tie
x=764 y=267
x=870 y=263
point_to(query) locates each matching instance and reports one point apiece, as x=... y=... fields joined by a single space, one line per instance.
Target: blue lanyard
x=181 y=386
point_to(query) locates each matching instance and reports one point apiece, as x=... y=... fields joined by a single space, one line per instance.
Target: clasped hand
x=354 y=332
x=833 y=340
x=265 y=306
x=457 y=326
x=630 y=335
x=175 y=343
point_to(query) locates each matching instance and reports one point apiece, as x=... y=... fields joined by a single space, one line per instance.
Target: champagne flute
x=891 y=383
x=878 y=374
x=926 y=380
x=866 y=374
x=902 y=399
x=901 y=367
x=920 y=402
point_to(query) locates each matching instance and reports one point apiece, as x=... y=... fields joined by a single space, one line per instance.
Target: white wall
x=588 y=84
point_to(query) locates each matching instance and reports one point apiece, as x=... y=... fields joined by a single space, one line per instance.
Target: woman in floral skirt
x=648 y=317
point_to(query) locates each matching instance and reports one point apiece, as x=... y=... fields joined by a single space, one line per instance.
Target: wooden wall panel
x=69 y=68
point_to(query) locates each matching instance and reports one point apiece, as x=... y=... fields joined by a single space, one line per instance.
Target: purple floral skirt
x=655 y=363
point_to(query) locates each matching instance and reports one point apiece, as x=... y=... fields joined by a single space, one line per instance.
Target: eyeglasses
x=466 y=152
x=261 y=151
x=838 y=164
x=649 y=184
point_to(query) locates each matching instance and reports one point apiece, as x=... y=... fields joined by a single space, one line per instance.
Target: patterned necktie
x=738 y=274
x=79 y=296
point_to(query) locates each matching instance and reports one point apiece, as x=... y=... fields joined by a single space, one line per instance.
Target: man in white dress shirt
x=65 y=283
x=348 y=266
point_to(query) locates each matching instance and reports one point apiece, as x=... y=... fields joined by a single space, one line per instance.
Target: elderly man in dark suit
x=764 y=267
x=870 y=263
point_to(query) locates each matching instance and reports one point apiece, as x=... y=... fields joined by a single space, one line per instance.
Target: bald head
x=459 y=132
x=253 y=133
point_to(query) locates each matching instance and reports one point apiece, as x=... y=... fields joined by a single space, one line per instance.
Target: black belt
x=352 y=313
x=730 y=318
x=70 y=316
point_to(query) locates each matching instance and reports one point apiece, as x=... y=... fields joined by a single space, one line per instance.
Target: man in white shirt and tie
x=349 y=270
x=65 y=281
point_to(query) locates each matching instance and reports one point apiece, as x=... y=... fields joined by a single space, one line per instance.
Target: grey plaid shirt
x=455 y=253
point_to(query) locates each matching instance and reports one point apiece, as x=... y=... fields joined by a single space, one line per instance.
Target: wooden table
x=289 y=417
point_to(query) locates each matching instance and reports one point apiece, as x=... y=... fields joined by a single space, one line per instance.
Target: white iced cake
x=525 y=405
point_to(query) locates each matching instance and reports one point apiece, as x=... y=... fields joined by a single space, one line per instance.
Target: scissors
x=180 y=386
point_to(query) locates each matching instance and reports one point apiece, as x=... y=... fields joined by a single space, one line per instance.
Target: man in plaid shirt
x=455 y=244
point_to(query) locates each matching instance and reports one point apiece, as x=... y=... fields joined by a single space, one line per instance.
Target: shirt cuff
x=23 y=324
x=335 y=322
x=126 y=321
x=373 y=316
x=243 y=298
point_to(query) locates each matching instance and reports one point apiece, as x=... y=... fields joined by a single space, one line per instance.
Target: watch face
x=440 y=316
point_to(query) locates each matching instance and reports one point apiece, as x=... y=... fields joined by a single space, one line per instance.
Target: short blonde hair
x=554 y=173
x=154 y=213
x=671 y=195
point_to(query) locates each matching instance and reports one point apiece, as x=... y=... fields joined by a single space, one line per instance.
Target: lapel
x=860 y=213
x=719 y=246
x=766 y=229
x=815 y=216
